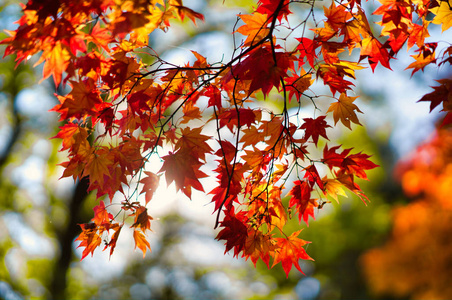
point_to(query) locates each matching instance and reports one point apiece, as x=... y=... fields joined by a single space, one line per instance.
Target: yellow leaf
x=443 y=15
x=333 y=188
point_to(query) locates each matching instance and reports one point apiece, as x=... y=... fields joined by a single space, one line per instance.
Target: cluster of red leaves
x=121 y=111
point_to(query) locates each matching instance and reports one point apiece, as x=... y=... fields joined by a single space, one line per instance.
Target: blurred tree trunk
x=66 y=237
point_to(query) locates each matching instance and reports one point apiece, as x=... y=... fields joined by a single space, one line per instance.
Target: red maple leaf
x=263 y=68
x=307 y=49
x=301 y=198
x=183 y=168
x=150 y=184
x=235 y=231
x=315 y=128
x=269 y=7
x=440 y=94
x=375 y=52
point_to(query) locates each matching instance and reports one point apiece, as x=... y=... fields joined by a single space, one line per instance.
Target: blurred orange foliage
x=416 y=260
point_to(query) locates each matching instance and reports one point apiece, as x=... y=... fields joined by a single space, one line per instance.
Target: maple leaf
x=440 y=94
x=83 y=100
x=265 y=205
x=323 y=34
x=235 y=232
x=142 y=219
x=418 y=34
x=333 y=159
x=289 y=251
x=183 y=168
x=315 y=128
x=257 y=160
x=336 y=16
x=255 y=28
x=443 y=15
x=357 y=163
x=301 y=198
x=344 y=110
x=97 y=166
x=72 y=135
x=313 y=177
x=258 y=245
x=333 y=75
x=114 y=238
x=150 y=184
x=101 y=215
x=374 y=51
x=333 y=188
x=141 y=242
x=251 y=136
x=297 y=85
x=56 y=62
x=89 y=239
x=349 y=182
x=238 y=117
x=425 y=57
x=307 y=49
x=193 y=141
x=100 y=36
x=74 y=167
x=262 y=68
x=214 y=95
x=353 y=30
x=183 y=11
x=268 y=7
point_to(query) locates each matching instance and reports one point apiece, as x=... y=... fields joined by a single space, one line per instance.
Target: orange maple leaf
x=101 y=215
x=89 y=239
x=258 y=245
x=141 y=242
x=97 y=166
x=425 y=57
x=114 y=238
x=193 y=141
x=337 y=16
x=255 y=28
x=344 y=110
x=142 y=219
x=333 y=188
x=56 y=61
x=289 y=251
x=72 y=135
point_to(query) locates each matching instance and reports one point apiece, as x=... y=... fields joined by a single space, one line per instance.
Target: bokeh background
x=399 y=246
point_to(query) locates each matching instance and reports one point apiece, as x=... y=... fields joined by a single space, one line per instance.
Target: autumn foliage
x=212 y=118
x=415 y=261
